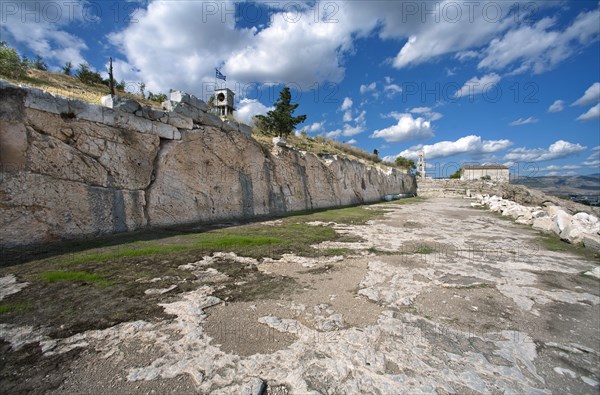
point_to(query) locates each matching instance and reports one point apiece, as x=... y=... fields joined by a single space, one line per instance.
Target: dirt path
x=437 y=298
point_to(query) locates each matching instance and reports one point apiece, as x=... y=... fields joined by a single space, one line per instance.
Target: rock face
x=581 y=228
x=70 y=169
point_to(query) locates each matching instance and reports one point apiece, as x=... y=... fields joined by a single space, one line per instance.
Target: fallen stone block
x=545 y=224
x=563 y=219
x=592 y=242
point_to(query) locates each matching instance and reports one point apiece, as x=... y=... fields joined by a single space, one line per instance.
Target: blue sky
x=509 y=82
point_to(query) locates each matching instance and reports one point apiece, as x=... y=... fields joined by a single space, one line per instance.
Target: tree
x=405 y=163
x=11 y=64
x=456 y=174
x=87 y=76
x=68 y=68
x=280 y=121
x=142 y=89
x=39 y=63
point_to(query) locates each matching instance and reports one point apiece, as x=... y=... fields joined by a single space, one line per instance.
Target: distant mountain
x=563 y=185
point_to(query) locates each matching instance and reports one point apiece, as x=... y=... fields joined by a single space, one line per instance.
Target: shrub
x=11 y=64
x=87 y=76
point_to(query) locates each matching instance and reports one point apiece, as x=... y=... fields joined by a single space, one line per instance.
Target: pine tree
x=281 y=120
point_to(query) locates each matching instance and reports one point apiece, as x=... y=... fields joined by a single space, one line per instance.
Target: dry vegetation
x=71 y=87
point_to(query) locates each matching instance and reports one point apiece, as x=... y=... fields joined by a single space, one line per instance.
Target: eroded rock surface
x=438 y=298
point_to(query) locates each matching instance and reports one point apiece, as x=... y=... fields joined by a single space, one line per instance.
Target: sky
x=468 y=82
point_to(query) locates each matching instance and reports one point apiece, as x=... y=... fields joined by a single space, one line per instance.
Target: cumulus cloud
x=351 y=141
x=346 y=104
x=591 y=95
x=248 y=108
x=557 y=106
x=427 y=113
x=315 y=127
x=365 y=88
x=41 y=28
x=475 y=85
x=592 y=114
x=472 y=145
x=538 y=48
x=407 y=128
x=524 y=121
x=556 y=150
x=392 y=89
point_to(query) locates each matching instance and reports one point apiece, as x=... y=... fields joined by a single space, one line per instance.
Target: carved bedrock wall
x=70 y=169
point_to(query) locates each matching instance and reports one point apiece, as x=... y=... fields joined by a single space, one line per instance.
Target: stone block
x=45 y=101
x=131 y=122
x=86 y=111
x=230 y=126
x=182 y=97
x=545 y=224
x=245 y=129
x=210 y=120
x=163 y=130
x=126 y=105
x=180 y=121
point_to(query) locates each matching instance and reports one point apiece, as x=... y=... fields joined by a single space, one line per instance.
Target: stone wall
x=70 y=169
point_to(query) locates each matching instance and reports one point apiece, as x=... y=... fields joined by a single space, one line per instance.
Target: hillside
x=576 y=187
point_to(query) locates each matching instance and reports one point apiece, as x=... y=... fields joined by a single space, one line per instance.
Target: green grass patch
x=56 y=276
x=424 y=250
x=336 y=252
x=86 y=256
x=6 y=308
x=348 y=215
x=412 y=200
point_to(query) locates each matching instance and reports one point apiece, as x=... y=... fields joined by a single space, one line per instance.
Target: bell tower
x=224 y=99
x=421 y=165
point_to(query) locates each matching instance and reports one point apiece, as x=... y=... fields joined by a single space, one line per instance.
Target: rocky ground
x=433 y=297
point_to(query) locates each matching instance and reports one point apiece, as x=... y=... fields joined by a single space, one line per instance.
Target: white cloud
x=561 y=173
x=407 y=128
x=41 y=28
x=392 y=89
x=248 y=108
x=466 y=55
x=359 y=126
x=347 y=104
x=592 y=114
x=556 y=150
x=472 y=145
x=427 y=113
x=475 y=85
x=537 y=47
x=365 y=88
x=315 y=127
x=351 y=141
x=591 y=95
x=333 y=134
x=522 y=121
x=565 y=167
x=557 y=106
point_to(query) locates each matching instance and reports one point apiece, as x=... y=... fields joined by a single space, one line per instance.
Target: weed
x=55 y=276
x=6 y=308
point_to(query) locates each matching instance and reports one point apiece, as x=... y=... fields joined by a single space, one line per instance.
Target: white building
x=497 y=173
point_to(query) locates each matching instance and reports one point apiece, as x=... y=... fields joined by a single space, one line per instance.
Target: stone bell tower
x=421 y=165
x=224 y=102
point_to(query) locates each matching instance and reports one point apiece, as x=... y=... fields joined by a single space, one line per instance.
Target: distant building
x=497 y=173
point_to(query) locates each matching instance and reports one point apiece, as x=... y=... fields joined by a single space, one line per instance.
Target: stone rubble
x=580 y=228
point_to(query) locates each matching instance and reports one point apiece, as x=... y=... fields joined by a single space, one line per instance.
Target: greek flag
x=220 y=75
